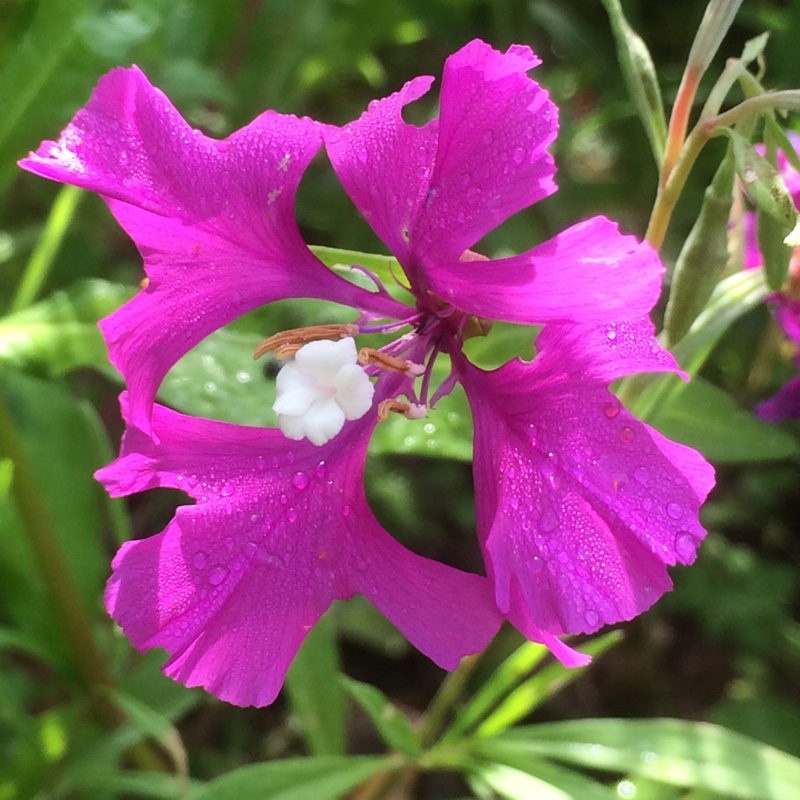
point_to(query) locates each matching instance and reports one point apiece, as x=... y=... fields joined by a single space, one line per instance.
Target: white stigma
x=320 y=389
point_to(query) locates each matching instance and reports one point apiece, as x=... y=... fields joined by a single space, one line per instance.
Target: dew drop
x=473 y=195
x=611 y=335
x=488 y=137
x=319 y=472
x=612 y=409
x=548 y=521
x=300 y=480
x=536 y=564
x=533 y=434
x=227 y=490
x=254 y=518
x=674 y=510
x=217 y=575
x=362 y=156
x=626 y=435
x=642 y=475
x=229 y=542
x=511 y=473
x=199 y=560
x=192 y=481
x=685 y=546
x=267 y=557
x=519 y=155
x=592 y=618
x=514 y=503
x=430 y=428
x=346 y=511
x=291 y=514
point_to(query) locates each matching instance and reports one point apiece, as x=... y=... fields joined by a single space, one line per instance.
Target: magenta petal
x=432 y=192
x=579 y=504
x=491 y=160
x=784 y=405
x=214 y=220
x=605 y=352
x=279 y=530
x=384 y=165
x=589 y=273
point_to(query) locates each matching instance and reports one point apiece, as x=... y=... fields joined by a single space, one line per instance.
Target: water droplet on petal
x=192 y=481
x=346 y=511
x=674 y=510
x=642 y=475
x=199 y=560
x=548 y=521
x=300 y=480
x=254 y=518
x=592 y=618
x=217 y=575
x=612 y=409
x=227 y=490
x=626 y=435
x=363 y=156
x=291 y=514
x=514 y=503
x=229 y=542
x=536 y=564
x=519 y=155
x=611 y=335
x=685 y=546
x=319 y=472
x=261 y=463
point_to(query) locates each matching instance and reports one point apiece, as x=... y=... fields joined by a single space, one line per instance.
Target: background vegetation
x=96 y=720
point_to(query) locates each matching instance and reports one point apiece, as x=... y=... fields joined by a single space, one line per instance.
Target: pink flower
x=580 y=506
x=785 y=304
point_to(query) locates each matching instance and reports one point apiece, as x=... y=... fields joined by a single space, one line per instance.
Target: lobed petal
x=279 y=530
x=580 y=506
x=589 y=273
x=214 y=220
x=430 y=193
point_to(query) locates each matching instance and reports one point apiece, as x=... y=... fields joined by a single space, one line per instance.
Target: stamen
x=368 y=355
x=408 y=410
x=287 y=343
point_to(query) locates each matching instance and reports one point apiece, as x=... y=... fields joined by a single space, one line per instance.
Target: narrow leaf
x=392 y=725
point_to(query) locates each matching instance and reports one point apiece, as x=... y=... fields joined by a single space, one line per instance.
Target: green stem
x=41 y=260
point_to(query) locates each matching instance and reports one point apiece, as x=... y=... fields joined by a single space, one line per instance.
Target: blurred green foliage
x=725 y=647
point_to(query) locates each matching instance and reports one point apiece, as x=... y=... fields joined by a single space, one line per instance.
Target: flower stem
x=679 y=121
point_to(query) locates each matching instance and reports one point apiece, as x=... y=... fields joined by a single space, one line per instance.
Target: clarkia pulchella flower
x=580 y=507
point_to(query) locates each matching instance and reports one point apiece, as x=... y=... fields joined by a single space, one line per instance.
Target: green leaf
x=155 y=725
x=392 y=725
x=219 y=379
x=522 y=778
x=502 y=680
x=134 y=784
x=320 y=778
x=315 y=692
x=688 y=754
x=54 y=429
x=60 y=333
x=647 y=395
x=541 y=687
x=32 y=68
x=706 y=418
x=640 y=77
x=6 y=476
